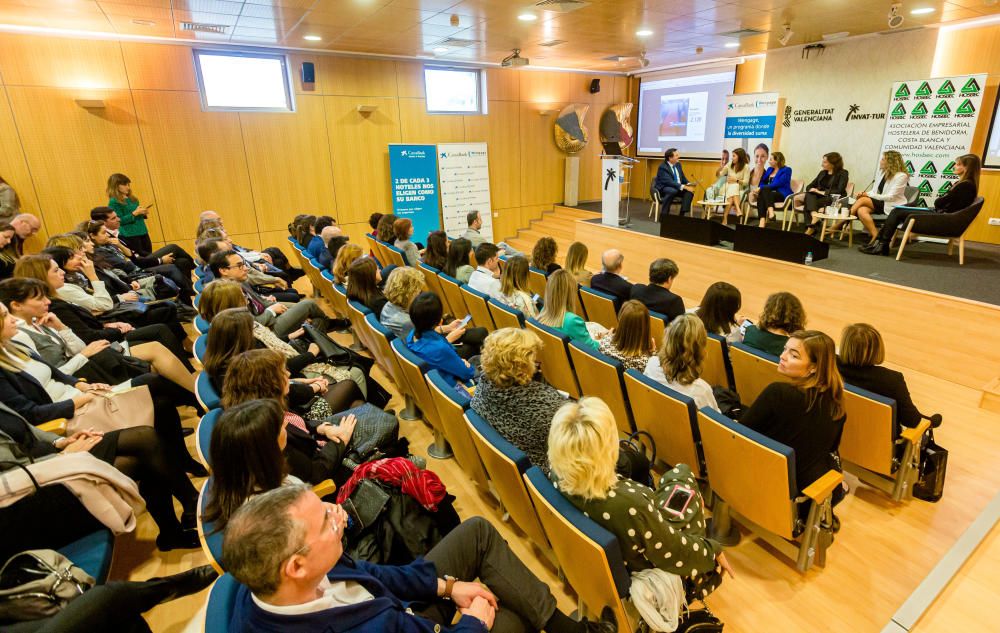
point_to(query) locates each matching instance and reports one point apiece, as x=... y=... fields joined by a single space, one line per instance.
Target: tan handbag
x=114 y=411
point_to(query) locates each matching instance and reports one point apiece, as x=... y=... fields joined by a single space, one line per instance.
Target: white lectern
x=615 y=171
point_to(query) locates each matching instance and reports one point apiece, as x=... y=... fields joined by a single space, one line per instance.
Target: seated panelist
x=671 y=182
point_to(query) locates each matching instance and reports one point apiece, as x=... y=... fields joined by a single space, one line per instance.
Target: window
x=454 y=90
x=243 y=81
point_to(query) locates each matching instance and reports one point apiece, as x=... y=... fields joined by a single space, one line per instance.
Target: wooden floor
x=881 y=554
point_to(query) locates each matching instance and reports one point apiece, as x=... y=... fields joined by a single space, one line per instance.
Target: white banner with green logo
x=931 y=122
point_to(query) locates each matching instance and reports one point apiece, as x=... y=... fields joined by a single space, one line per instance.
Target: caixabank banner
x=931 y=122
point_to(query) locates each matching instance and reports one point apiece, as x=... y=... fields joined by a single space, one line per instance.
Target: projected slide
x=686 y=112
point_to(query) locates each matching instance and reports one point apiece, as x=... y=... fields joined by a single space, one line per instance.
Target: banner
x=751 y=119
x=415 y=187
x=465 y=186
x=931 y=122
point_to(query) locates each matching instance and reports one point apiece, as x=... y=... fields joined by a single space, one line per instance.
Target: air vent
x=742 y=33
x=143 y=22
x=618 y=58
x=552 y=43
x=561 y=6
x=202 y=27
x=456 y=42
x=907 y=30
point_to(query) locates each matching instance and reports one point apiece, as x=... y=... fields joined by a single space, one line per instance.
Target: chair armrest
x=57 y=426
x=324 y=488
x=823 y=487
x=913 y=435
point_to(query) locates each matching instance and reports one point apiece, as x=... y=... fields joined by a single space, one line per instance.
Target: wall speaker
x=308 y=73
x=595 y=86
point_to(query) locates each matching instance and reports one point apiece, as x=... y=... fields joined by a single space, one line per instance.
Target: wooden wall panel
x=416 y=126
x=499 y=130
x=197 y=162
x=543 y=86
x=27 y=60
x=502 y=84
x=750 y=76
x=358 y=146
x=289 y=160
x=13 y=165
x=410 y=79
x=159 y=67
x=542 y=164
x=72 y=151
x=358 y=77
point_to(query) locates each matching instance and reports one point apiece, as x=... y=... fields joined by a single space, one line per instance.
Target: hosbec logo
x=923 y=92
x=971 y=88
x=903 y=92
x=966 y=109
x=929 y=169
x=949 y=171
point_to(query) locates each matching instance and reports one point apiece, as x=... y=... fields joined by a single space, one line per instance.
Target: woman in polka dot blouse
x=583 y=450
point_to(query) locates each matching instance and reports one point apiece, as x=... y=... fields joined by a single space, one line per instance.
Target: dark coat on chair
x=614 y=285
x=659 y=299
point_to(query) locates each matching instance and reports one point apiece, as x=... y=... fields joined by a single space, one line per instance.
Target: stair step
x=556 y=222
x=577 y=214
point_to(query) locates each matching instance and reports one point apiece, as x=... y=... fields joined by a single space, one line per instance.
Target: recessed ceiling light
x=527 y=17
x=922 y=11
x=441 y=49
x=732 y=44
x=313 y=38
x=644 y=32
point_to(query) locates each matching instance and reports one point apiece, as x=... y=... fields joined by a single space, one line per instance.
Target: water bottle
x=809 y=258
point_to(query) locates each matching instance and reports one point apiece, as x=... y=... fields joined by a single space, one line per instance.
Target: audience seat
x=374 y=249
x=753 y=371
x=600 y=375
x=199 y=285
x=201 y=325
x=556 y=364
x=588 y=555
x=537 y=280
x=669 y=417
x=504 y=315
x=356 y=313
x=476 y=302
x=207 y=396
x=657 y=326
x=200 y=344
x=221 y=604
x=393 y=255
x=210 y=539
x=382 y=252
x=451 y=406
x=767 y=502
x=413 y=368
x=204 y=435
x=92 y=553
x=379 y=336
x=600 y=307
x=716 y=370
x=433 y=284
x=452 y=296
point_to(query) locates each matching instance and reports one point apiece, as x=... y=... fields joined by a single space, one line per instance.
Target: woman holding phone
x=122 y=201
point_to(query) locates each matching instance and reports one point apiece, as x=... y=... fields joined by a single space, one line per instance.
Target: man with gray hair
x=610 y=279
x=285 y=547
x=25 y=225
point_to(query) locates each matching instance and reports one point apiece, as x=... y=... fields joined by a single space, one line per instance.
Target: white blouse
x=43 y=374
x=98 y=302
x=893 y=192
x=699 y=390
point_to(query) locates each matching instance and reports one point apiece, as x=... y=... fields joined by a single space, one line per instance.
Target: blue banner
x=415 y=191
x=750 y=126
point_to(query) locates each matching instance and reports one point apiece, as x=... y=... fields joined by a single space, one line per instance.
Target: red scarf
x=422 y=485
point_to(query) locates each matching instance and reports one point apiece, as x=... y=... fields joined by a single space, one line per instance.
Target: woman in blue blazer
x=775 y=186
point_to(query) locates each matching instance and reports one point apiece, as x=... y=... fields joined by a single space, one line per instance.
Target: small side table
x=836 y=217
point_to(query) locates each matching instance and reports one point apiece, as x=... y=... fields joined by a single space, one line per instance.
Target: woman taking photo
x=737 y=175
x=560 y=309
x=775 y=186
x=829 y=182
x=511 y=395
x=679 y=363
x=403 y=230
x=806 y=414
x=783 y=314
x=583 y=453
x=436 y=253
x=890 y=192
x=133 y=232
x=543 y=256
x=363 y=282
x=630 y=342
x=718 y=311
x=514 y=287
x=458 y=265
x=576 y=263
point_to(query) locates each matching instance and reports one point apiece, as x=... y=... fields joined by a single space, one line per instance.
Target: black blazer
x=959 y=197
x=885 y=382
x=659 y=299
x=22 y=393
x=84 y=324
x=834 y=184
x=614 y=285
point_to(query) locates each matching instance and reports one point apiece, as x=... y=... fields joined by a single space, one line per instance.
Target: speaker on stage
x=777 y=244
x=694 y=230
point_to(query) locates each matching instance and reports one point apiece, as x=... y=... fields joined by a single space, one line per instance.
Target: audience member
x=10 y=206
x=511 y=394
x=385 y=229
x=829 y=182
x=304 y=227
x=671 y=182
x=679 y=362
x=656 y=294
x=349 y=253
x=514 y=287
x=25 y=225
x=783 y=314
x=333 y=247
x=436 y=253
x=402 y=286
x=475 y=223
x=775 y=186
x=458 y=265
x=718 y=311
x=363 y=283
x=583 y=454
x=486 y=277
x=319 y=245
x=425 y=341
x=543 y=256
x=610 y=280
x=576 y=263
x=403 y=230
x=560 y=309
x=630 y=341
x=8 y=258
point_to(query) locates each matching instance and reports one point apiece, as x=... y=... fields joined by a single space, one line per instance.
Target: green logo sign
x=945 y=188
x=899 y=110
x=902 y=91
x=928 y=169
x=971 y=86
x=909 y=168
x=942 y=108
x=923 y=91
x=949 y=169
x=966 y=108
x=925 y=188
x=947 y=89
x=919 y=110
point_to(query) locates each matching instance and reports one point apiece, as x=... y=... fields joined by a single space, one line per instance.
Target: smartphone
x=117 y=347
x=535 y=297
x=678 y=501
x=743 y=326
x=465 y=321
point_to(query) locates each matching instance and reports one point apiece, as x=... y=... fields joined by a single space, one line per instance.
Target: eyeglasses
x=239 y=265
x=327 y=519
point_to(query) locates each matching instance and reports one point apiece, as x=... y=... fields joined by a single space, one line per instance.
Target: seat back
x=911 y=193
x=868 y=438
x=451 y=407
x=589 y=556
x=413 y=369
x=394 y=255
x=669 y=417
x=374 y=249
x=453 y=293
x=210 y=538
x=382 y=351
x=505 y=463
x=476 y=302
x=600 y=375
x=504 y=315
x=716 y=369
x=947 y=224
x=556 y=364
x=204 y=434
x=199 y=285
x=200 y=345
x=356 y=313
x=201 y=325
x=207 y=396
x=753 y=370
x=600 y=307
x=221 y=605
x=339 y=296
x=92 y=553
x=382 y=252
x=434 y=285
x=732 y=452
x=537 y=280
x=657 y=326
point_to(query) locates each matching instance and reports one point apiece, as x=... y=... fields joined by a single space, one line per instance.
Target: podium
x=616 y=178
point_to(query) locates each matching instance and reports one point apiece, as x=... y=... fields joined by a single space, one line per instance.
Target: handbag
x=38 y=583
x=375 y=431
x=699 y=621
x=114 y=411
x=334 y=353
x=632 y=460
x=124 y=310
x=933 y=468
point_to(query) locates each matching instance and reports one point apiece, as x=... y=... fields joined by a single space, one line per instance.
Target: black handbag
x=933 y=468
x=632 y=460
x=333 y=353
x=699 y=621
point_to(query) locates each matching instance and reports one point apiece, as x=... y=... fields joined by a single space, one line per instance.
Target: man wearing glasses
x=285 y=547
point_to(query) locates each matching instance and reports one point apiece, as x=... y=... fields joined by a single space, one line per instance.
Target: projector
x=514 y=60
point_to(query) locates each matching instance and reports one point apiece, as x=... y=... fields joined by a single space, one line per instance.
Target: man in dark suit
x=671 y=182
x=656 y=295
x=610 y=280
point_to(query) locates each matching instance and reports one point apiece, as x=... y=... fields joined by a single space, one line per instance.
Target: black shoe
x=181 y=539
x=195 y=468
x=186 y=312
x=187 y=430
x=189 y=520
x=607 y=624
x=186 y=583
x=338 y=325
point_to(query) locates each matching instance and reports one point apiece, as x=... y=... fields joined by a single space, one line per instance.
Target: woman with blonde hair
x=783 y=314
x=345 y=257
x=560 y=309
x=514 y=286
x=576 y=263
x=583 y=453
x=630 y=341
x=679 y=362
x=543 y=256
x=806 y=410
x=890 y=192
x=403 y=284
x=511 y=395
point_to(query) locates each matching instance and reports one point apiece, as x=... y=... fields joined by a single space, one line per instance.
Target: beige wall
x=258 y=169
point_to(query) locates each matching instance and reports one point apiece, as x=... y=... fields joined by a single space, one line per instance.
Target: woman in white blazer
x=890 y=192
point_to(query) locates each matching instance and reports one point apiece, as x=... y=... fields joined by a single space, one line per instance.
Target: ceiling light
x=732 y=44
x=313 y=38
x=644 y=32
x=527 y=17
x=441 y=49
x=922 y=11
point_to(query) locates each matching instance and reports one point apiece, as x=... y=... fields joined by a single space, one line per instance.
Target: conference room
x=674 y=314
